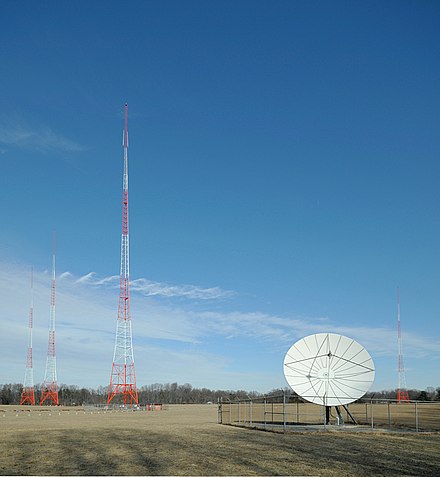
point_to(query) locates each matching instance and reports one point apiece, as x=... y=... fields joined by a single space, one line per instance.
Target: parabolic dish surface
x=329 y=369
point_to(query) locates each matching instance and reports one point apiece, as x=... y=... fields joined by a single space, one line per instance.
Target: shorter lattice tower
x=49 y=388
x=402 y=392
x=28 y=392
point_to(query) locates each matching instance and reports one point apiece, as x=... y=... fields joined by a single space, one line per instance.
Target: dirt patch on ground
x=186 y=440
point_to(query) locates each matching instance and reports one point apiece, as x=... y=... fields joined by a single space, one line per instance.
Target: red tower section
x=123 y=375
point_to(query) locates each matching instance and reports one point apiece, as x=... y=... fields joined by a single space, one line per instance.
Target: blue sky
x=284 y=180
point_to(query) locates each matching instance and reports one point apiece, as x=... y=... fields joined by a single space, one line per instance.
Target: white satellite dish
x=329 y=369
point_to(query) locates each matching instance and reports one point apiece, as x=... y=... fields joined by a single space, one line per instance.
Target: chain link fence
x=288 y=412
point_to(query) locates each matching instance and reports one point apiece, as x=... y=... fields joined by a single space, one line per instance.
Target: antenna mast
x=28 y=392
x=402 y=392
x=49 y=388
x=123 y=376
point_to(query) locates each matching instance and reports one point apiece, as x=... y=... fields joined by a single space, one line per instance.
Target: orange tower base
x=402 y=396
x=27 y=396
x=49 y=393
x=123 y=383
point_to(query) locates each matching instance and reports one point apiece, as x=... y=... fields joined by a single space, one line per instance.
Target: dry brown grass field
x=186 y=440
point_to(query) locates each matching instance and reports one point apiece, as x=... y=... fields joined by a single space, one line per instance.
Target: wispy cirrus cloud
x=159 y=289
x=204 y=342
x=92 y=279
x=150 y=288
x=41 y=138
x=248 y=324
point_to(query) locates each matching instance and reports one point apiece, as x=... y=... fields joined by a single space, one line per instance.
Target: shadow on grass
x=80 y=452
x=218 y=451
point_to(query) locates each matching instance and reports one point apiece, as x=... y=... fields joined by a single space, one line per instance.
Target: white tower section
x=49 y=390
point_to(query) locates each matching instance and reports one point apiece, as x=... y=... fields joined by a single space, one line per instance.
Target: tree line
x=174 y=393
x=170 y=393
x=429 y=394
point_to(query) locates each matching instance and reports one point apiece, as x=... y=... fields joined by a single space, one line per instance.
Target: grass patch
x=186 y=440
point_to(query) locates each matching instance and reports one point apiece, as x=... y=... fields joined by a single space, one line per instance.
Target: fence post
x=389 y=415
x=284 y=412
x=265 y=402
x=417 y=417
x=220 y=412
x=250 y=412
x=230 y=412
x=297 y=411
x=372 y=419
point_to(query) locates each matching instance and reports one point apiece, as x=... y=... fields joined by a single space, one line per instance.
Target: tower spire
x=28 y=392
x=123 y=376
x=402 y=392
x=49 y=388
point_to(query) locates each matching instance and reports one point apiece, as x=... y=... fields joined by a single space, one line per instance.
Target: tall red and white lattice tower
x=123 y=375
x=402 y=392
x=28 y=392
x=49 y=388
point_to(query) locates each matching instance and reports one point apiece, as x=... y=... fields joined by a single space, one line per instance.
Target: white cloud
x=150 y=288
x=41 y=138
x=173 y=340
